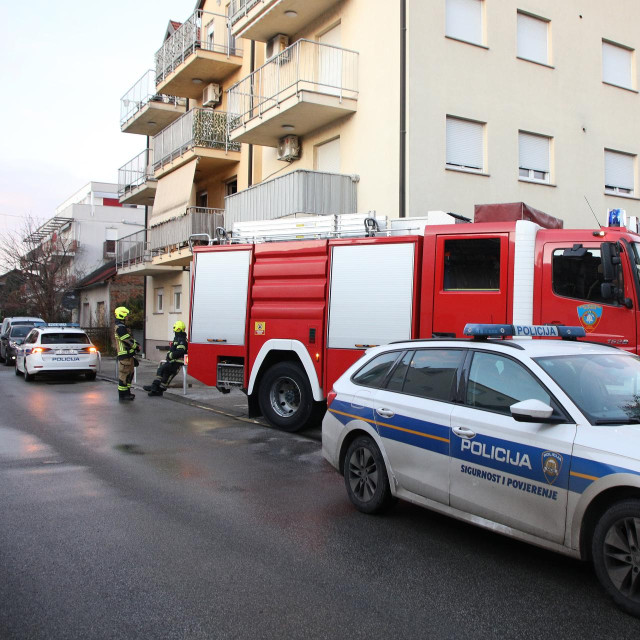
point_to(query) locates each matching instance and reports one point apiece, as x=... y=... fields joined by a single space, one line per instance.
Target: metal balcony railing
x=142 y=93
x=132 y=250
x=305 y=65
x=175 y=233
x=201 y=30
x=239 y=8
x=136 y=172
x=196 y=128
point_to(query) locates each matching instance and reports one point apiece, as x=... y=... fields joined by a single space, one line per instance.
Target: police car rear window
x=64 y=338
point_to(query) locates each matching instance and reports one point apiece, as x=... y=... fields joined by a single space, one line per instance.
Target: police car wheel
x=285 y=397
x=28 y=377
x=91 y=375
x=616 y=554
x=365 y=476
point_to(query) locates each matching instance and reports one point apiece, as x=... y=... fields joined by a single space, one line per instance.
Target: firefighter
x=127 y=348
x=168 y=369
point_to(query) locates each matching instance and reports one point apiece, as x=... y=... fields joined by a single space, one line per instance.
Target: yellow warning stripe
x=583 y=475
x=390 y=426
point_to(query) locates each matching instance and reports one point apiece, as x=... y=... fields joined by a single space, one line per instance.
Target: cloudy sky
x=65 y=66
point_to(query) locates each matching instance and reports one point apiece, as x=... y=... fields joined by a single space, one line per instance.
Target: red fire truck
x=282 y=320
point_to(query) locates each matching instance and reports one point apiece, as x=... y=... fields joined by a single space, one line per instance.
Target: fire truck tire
x=285 y=397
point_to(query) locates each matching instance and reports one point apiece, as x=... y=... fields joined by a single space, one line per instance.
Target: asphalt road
x=160 y=520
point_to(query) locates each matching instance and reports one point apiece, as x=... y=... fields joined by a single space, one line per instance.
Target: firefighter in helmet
x=168 y=369
x=127 y=348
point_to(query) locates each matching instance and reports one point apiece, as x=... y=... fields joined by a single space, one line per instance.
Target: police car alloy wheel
x=616 y=554
x=365 y=476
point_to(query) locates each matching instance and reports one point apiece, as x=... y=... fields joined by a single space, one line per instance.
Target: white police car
x=535 y=439
x=56 y=347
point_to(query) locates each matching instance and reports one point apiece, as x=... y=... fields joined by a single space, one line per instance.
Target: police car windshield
x=605 y=387
x=64 y=338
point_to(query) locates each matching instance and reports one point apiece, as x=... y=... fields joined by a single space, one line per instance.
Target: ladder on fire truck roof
x=348 y=225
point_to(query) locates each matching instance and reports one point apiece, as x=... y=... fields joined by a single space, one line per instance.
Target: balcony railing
x=176 y=232
x=305 y=65
x=142 y=93
x=201 y=30
x=132 y=250
x=196 y=128
x=136 y=172
x=239 y=8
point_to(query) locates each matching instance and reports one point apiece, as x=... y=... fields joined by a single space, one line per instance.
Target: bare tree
x=42 y=257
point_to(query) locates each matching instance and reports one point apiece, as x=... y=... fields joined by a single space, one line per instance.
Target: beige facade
x=503 y=101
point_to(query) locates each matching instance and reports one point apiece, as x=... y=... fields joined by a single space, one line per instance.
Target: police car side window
x=374 y=373
x=31 y=338
x=396 y=381
x=496 y=382
x=432 y=373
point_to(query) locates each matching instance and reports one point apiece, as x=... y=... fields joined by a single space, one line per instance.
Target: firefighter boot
x=154 y=389
x=125 y=395
x=148 y=387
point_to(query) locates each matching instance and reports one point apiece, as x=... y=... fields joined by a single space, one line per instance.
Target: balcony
x=169 y=240
x=262 y=19
x=297 y=193
x=200 y=133
x=307 y=86
x=146 y=112
x=202 y=50
x=136 y=184
x=133 y=256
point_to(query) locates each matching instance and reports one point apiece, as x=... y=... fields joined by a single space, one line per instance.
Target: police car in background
x=56 y=347
x=535 y=439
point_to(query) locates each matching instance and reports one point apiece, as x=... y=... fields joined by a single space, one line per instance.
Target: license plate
x=64 y=351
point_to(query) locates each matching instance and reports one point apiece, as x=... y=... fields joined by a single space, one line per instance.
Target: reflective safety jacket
x=178 y=347
x=125 y=342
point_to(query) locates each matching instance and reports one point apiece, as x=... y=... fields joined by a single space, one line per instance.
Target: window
x=496 y=382
x=159 y=300
x=534 y=157
x=578 y=278
x=375 y=371
x=432 y=373
x=464 y=20
x=328 y=156
x=202 y=199
x=465 y=144
x=619 y=172
x=177 y=298
x=533 y=38
x=64 y=338
x=472 y=264
x=617 y=65
x=231 y=187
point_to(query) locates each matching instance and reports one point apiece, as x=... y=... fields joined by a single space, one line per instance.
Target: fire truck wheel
x=285 y=397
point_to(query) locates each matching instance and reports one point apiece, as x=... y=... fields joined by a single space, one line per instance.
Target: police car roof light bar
x=484 y=331
x=62 y=324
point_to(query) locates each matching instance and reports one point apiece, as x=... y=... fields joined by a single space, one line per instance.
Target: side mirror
x=610 y=261
x=532 y=411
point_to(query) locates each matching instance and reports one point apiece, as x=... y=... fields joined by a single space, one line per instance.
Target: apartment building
x=337 y=106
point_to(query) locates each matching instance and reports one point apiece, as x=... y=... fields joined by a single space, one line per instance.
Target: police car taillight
x=331 y=396
x=40 y=349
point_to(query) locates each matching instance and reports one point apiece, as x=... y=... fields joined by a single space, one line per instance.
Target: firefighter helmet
x=179 y=326
x=121 y=313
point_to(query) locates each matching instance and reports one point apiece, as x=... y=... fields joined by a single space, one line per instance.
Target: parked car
x=62 y=348
x=17 y=334
x=7 y=323
x=535 y=439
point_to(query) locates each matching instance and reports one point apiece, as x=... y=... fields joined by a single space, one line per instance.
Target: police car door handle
x=385 y=413
x=464 y=432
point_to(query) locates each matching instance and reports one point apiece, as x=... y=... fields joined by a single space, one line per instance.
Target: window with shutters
x=619 y=172
x=533 y=38
x=534 y=157
x=617 y=65
x=465 y=144
x=464 y=20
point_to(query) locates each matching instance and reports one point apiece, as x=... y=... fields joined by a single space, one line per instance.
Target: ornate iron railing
x=175 y=233
x=136 y=172
x=240 y=8
x=201 y=30
x=132 y=250
x=305 y=65
x=196 y=128
x=141 y=94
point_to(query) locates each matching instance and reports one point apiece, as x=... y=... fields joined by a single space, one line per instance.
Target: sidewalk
x=197 y=394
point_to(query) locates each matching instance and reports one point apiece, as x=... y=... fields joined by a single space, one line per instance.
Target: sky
x=65 y=66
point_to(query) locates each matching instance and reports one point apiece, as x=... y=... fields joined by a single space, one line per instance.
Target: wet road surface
x=160 y=520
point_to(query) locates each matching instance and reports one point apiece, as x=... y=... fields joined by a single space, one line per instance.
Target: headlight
x=13 y=345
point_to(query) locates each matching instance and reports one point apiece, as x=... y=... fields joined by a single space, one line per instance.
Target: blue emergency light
x=523 y=331
x=61 y=324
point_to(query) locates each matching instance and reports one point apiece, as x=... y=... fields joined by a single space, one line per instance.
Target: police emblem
x=551 y=465
x=590 y=315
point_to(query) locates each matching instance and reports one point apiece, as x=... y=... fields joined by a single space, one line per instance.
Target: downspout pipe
x=252 y=68
x=403 y=109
